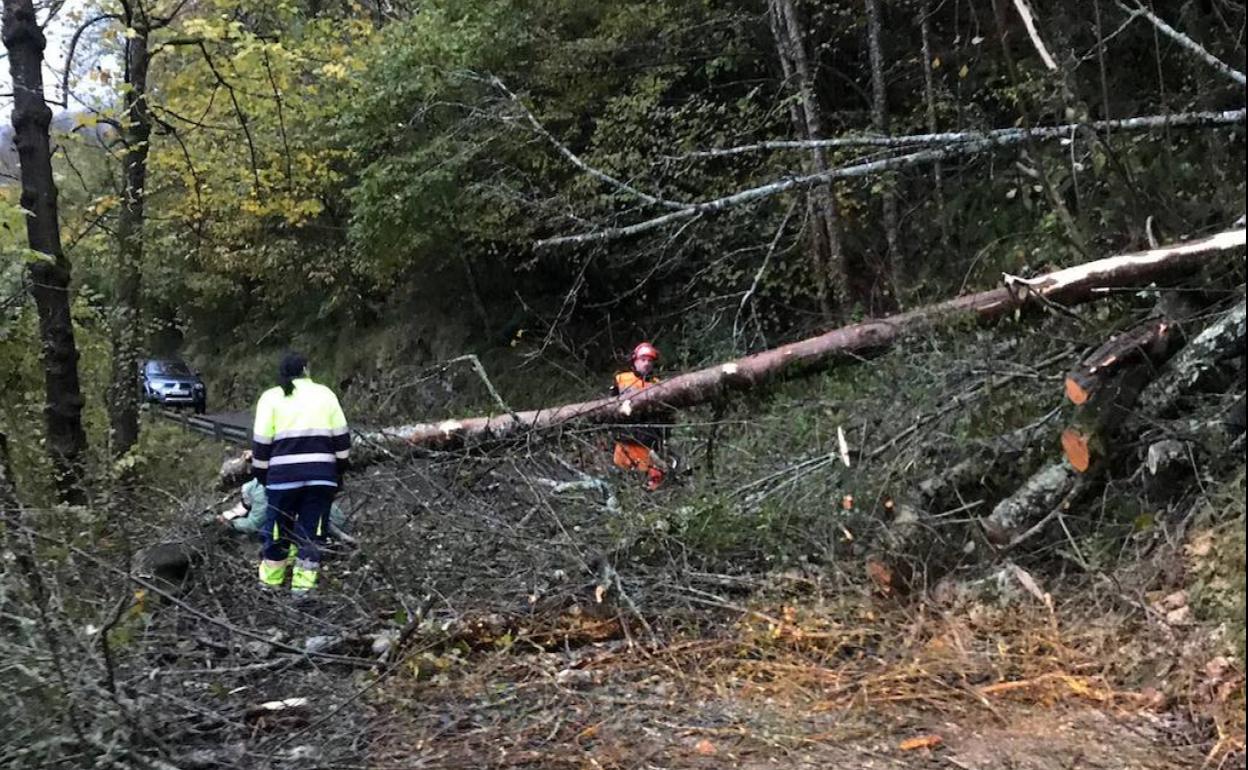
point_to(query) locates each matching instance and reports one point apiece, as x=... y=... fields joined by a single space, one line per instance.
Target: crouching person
x=300 y=450
x=248 y=516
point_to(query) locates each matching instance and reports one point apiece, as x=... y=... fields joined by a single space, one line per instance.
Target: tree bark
x=1147 y=342
x=929 y=99
x=1196 y=367
x=1071 y=286
x=50 y=277
x=826 y=257
x=882 y=293
x=126 y=322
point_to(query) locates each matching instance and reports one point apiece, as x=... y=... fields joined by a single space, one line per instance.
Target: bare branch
x=762 y=269
x=985 y=142
x=1029 y=21
x=575 y=160
x=73 y=46
x=952 y=137
x=1186 y=42
x=238 y=111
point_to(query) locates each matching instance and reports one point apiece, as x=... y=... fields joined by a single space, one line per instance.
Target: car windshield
x=168 y=368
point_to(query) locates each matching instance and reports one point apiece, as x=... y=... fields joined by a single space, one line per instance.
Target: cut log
x=1077 y=446
x=1197 y=367
x=1042 y=493
x=1146 y=342
x=1069 y=286
x=1107 y=385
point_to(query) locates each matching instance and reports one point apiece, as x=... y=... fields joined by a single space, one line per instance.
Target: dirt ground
x=633 y=710
x=535 y=633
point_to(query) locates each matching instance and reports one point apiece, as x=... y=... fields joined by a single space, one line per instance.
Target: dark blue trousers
x=299 y=516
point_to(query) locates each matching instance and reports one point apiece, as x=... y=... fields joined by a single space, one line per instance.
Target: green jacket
x=257 y=504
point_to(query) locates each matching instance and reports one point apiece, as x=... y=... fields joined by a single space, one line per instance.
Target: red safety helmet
x=646 y=350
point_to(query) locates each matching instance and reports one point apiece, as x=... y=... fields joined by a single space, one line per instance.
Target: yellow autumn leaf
x=936 y=63
x=334 y=70
x=964 y=71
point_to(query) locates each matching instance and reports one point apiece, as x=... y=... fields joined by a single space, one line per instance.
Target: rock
x=575 y=677
x=320 y=643
x=258 y=648
x=1179 y=617
x=384 y=642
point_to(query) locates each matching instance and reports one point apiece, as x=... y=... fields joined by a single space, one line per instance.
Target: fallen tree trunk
x=1057 y=483
x=1146 y=342
x=1196 y=367
x=1069 y=286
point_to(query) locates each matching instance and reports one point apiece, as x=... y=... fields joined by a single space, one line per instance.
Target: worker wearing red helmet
x=637 y=447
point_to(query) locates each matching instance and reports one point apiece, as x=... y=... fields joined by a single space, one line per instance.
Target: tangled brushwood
x=869 y=564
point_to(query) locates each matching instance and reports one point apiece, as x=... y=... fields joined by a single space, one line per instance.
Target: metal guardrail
x=206 y=426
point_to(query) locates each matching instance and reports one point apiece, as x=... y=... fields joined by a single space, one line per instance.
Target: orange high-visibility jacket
x=645 y=435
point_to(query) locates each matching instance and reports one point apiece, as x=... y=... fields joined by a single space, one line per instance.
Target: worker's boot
x=272 y=573
x=303 y=578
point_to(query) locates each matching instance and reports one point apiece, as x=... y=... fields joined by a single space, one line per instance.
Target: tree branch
x=73 y=46
x=575 y=160
x=1186 y=42
x=1186 y=119
x=992 y=140
x=1029 y=22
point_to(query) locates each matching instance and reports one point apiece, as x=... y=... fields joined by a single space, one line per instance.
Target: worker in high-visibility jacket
x=637 y=447
x=249 y=515
x=300 y=450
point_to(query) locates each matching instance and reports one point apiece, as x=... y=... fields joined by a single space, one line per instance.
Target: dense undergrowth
x=552 y=624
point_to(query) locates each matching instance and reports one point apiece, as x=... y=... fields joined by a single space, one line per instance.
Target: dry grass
x=797 y=683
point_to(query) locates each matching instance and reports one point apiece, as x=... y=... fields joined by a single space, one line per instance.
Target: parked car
x=170 y=382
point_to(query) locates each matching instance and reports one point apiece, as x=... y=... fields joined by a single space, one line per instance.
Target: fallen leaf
x=881 y=575
x=921 y=742
x=589 y=732
x=705 y=748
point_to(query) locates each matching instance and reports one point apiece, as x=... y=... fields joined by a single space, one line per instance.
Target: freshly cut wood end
x=1077 y=394
x=1076 y=447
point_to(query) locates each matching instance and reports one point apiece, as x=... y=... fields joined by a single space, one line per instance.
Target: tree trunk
x=1149 y=342
x=1196 y=367
x=826 y=258
x=882 y=296
x=49 y=279
x=126 y=331
x=929 y=98
x=8 y=489
x=1071 y=286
